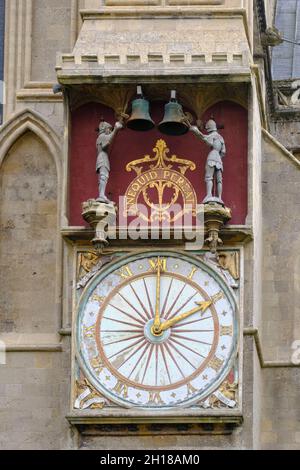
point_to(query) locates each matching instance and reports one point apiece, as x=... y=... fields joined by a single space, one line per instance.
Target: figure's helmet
x=103 y=126
x=211 y=126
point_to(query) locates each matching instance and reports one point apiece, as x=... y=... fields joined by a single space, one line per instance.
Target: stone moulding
x=19 y=348
x=192 y=41
x=231 y=234
x=135 y=417
x=254 y=332
x=147 y=3
x=285 y=151
x=185 y=11
x=76 y=67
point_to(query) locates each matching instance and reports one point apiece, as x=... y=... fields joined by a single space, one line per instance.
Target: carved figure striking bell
x=172 y=123
x=140 y=119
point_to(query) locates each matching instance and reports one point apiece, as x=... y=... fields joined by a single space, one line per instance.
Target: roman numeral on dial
x=125 y=272
x=190 y=389
x=216 y=363
x=97 y=364
x=226 y=331
x=121 y=389
x=159 y=262
x=155 y=399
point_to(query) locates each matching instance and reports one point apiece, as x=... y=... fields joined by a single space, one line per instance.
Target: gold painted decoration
x=224 y=397
x=87 y=396
x=159 y=186
x=230 y=262
x=88 y=264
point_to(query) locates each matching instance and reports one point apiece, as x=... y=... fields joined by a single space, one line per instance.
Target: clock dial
x=157 y=331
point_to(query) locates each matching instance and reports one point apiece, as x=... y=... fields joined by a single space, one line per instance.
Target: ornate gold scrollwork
x=230 y=262
x=224 y=397
x=157 y=173
x=86 y=262
x=87 y=396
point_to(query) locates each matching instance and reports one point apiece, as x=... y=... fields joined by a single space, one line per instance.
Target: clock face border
x=125 y=260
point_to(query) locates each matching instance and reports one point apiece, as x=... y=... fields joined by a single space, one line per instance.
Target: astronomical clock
x=157 y=331
x=157 y=320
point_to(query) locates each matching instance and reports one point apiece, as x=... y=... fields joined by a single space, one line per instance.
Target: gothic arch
x=220 y=100
x=28 y=120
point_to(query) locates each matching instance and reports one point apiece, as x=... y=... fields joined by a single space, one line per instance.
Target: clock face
x=157 y=331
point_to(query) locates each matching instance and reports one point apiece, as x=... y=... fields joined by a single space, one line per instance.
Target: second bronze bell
x=172 y=123
x=140 y=119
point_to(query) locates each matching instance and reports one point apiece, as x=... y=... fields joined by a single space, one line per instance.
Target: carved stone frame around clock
x=91 y=410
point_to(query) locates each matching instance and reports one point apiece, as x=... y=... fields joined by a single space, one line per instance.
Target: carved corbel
x=215 y=216
x=100 y=217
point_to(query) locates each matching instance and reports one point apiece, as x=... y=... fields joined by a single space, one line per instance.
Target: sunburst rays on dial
x=133 y=354
x=156 y=331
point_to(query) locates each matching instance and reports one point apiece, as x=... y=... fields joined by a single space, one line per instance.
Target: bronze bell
x=172 y=123
x=140 y=119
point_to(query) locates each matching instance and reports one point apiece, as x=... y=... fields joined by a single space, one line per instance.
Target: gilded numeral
x=159 y=262
x=155 y=399
x=216 y=363
x=190 y=389
x=125 y=272
x=97 y=364
x=226 y=331
x=89 y=332
x=98 y=298
x=215 y=298
x=121 y=389
x=192 y=273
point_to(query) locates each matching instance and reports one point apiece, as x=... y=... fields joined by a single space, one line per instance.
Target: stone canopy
x=163 y=41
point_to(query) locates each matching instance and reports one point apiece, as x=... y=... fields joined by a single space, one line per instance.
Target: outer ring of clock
x=114 y=266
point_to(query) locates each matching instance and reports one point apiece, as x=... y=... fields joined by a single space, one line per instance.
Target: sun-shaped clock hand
x=156 y=325
x=202 y=307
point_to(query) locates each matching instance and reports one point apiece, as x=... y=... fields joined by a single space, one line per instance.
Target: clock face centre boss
x=157 y=330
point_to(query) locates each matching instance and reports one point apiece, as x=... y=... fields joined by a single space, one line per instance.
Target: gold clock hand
x=156 y=324
x=203 y=306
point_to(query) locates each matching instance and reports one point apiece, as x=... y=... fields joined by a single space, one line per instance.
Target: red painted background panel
x=130 y=145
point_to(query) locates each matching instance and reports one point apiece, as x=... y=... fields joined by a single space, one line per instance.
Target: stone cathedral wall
x=281 y=275
x=35 y=298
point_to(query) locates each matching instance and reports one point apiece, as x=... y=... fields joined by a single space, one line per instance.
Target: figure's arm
x=195 y=130
x=223 y=150
x=117 y=127
x=112 y=135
